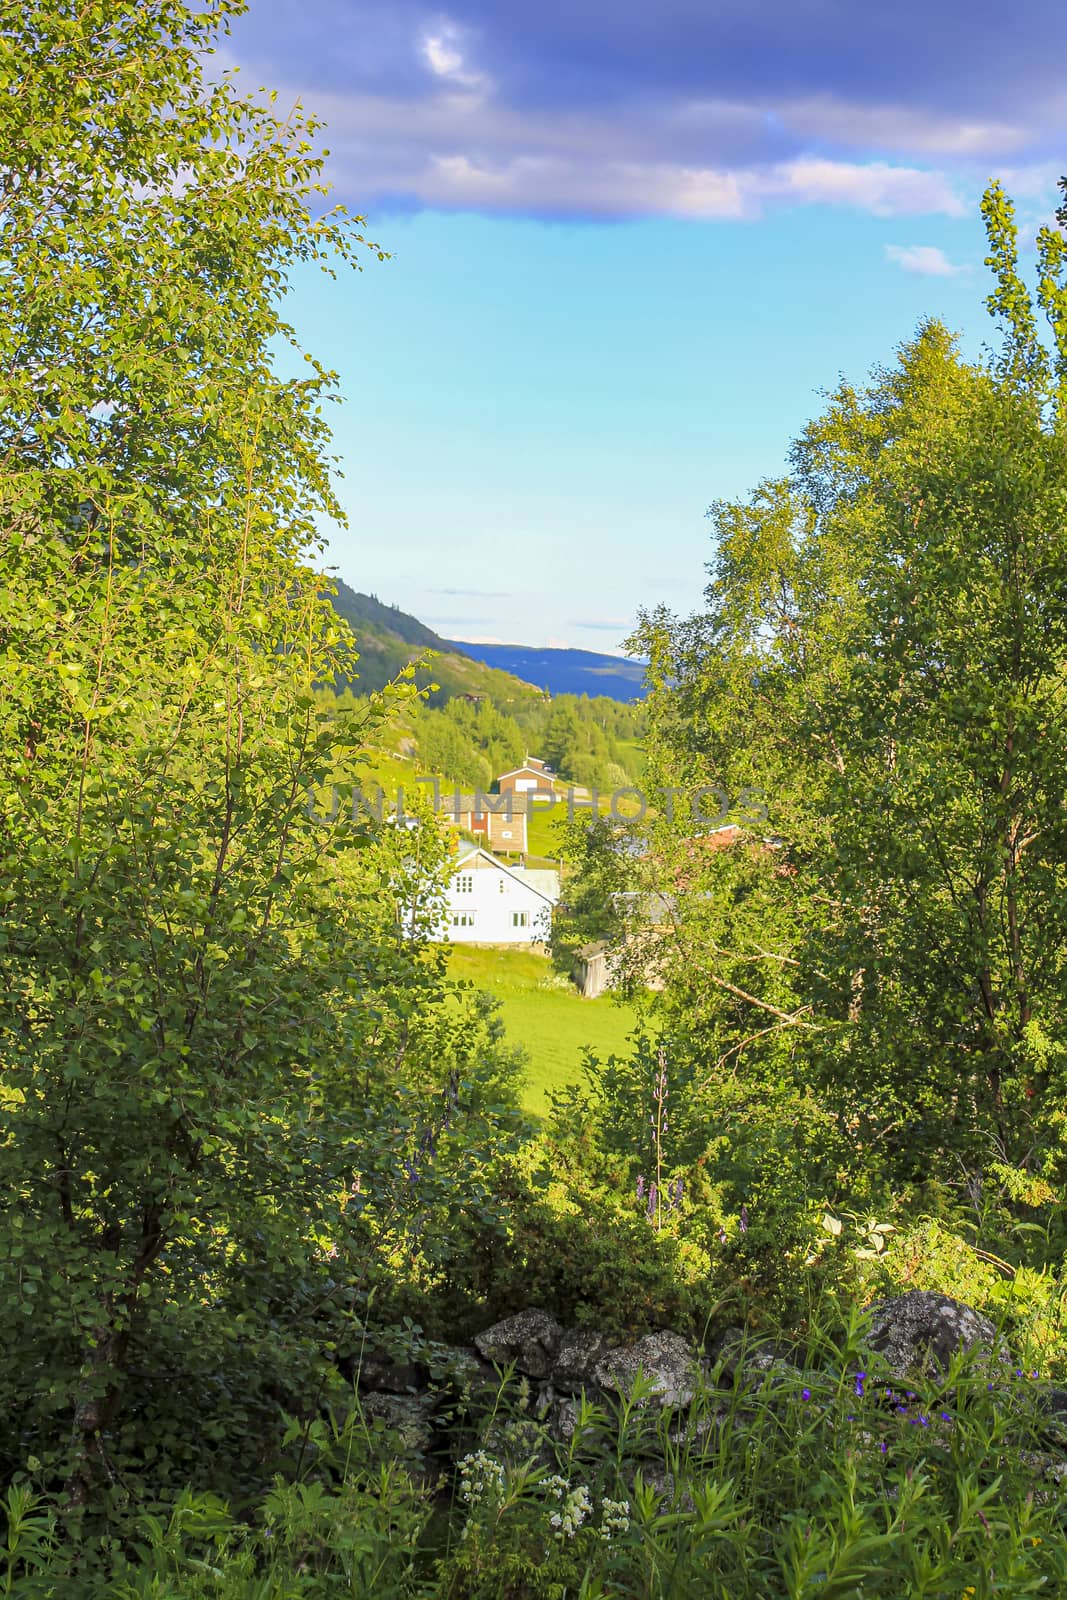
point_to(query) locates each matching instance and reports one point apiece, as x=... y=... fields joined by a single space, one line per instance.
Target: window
x=465 y=883
x=463 y=919
x=505 y=833
x=520 y=919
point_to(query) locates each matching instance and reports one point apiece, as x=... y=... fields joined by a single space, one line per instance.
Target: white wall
x=489 y=906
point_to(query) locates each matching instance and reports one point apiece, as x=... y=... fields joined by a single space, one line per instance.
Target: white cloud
x=443 y=52
x=876 y=186
x=605 y=187
x=899 y=128
x=924 y=258
x=460 y=146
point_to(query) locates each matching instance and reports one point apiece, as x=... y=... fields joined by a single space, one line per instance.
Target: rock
x=378 y=1372
x=562 y=1417
x=666 y=1359
x=406 y=1415
x=530 y=1339
x=459 y=1369
x=579 y=1351
x=516 y=1440
x=916 y=1330
x=1051 y=1404
x=735 y=1351
x=655 y=1476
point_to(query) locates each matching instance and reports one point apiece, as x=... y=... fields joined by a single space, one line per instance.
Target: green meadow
x=545 y=1015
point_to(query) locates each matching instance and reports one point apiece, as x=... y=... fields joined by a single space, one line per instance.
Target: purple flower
x=859 y=1383
x=744 y=1219
x=805 y=1394
x=883 y=1447
x=946 y=1416
x=641 y=1188
x=652 y=1197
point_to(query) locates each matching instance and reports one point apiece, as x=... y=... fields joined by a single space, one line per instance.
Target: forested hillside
x=473 y=721
x=565 y=671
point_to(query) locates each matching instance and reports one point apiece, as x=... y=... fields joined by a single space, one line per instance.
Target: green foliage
x=223 y=1061
x=887 y=625
x=778 y=1485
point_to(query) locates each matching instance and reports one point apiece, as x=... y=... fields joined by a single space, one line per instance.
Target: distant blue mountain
x=562 y=671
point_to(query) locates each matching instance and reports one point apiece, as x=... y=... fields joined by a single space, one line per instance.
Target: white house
x=489 y=903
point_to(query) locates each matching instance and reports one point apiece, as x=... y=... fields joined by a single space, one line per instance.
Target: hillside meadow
x=544 y=1016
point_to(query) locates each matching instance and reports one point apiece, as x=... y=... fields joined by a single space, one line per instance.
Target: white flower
x=482 y=1477
x=614 y=1517
x=576 y=1508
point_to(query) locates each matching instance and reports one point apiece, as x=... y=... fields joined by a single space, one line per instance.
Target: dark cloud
x=620 y=108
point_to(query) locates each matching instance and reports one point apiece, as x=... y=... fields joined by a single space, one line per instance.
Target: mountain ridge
x=561 y=669
x=389 y=638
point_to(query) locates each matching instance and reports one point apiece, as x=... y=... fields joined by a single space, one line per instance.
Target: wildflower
x=641 y=1187
x=744 y=1219
x=805 y=1394
x=859 y=1383
x=482 y=1477
x=653 y=1194
x=555 y=1486
x=946 y=1416
x=614 y=1518
x=573 y=1513
x=883 y=1447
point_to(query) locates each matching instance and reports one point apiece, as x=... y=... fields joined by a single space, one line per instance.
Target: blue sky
x=629 y=246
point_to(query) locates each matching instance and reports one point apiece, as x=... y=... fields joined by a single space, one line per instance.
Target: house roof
x=531 y=764
x=476 y=850
x=545 y=879
x=466 y=803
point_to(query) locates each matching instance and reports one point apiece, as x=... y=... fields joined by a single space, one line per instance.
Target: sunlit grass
x=545 y=1014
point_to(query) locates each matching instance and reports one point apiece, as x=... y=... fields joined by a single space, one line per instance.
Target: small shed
x=592 y=974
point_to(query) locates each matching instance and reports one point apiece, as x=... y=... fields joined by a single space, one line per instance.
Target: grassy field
x=544 y=1015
